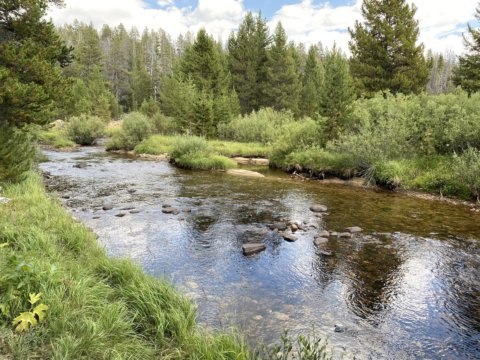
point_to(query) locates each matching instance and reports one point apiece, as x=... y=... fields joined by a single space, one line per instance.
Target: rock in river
x=289 y=237
x=278 y=226
x=354 y=229
x=247 y=173
x=122 y=214
x=320 y=240
x=318 y=208
x=250 y=249
x=107 y=207
x=170 y=210
x=345 y=235
x=324 y=234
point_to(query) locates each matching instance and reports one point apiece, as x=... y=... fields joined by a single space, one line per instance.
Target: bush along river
x=407 y=286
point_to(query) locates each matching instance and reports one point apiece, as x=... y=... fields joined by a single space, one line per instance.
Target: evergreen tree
x=205 y=65
x=31 y=54
x=467 y=75
x=247 y=56
x=312 y=84
x=337 y=95
x=87 y=52
x=283 y=74
x=385 y=54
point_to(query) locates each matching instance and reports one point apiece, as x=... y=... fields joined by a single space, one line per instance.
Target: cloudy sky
x=309 y=21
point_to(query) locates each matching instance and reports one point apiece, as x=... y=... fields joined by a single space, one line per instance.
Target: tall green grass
x=99 y=308
x=195 y=153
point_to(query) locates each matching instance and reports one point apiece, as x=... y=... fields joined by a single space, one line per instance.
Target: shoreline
x=356 y=182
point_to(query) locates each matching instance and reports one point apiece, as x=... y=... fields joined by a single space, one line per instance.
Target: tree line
x=202 y=83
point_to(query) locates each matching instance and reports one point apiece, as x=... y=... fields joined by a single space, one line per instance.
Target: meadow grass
x=55 y=138
x=165 y=144
x=98 y=307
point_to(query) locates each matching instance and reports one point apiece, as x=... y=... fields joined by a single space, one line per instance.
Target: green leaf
x=4 y=309
x=24 y=321
x=39 y=311
x=34 y=298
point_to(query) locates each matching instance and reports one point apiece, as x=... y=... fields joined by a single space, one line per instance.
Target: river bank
x=98 y=307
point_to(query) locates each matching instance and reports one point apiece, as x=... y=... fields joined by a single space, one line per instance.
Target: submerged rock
x=320 y=240
x=247 y=173
x=250 y=249
x=128 y=208
x=81 y=165
x=135 y=211
x=354 y=229
x=281 y=316
x=339 y=328
x=278 y=226
x=345 y=235
x=318 y=208
x=122 y=214
x=325 y=253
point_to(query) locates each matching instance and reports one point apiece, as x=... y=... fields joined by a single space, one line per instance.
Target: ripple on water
x=407 y=287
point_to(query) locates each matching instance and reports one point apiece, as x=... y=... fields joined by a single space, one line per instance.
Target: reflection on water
x=407 y=287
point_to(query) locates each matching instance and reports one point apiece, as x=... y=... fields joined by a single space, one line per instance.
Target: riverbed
x=406 y=287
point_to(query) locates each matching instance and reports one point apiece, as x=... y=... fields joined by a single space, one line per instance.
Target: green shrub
x=164 y=124
x=135 y=128
x=264 y=126
x=17 y=152
x=85 y=129
x=296 y=136
x=466 y=169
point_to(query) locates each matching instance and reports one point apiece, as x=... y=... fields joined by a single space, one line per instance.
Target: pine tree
x=467 y=75
x=283 y=74
x=247 y=56
x=31 y=54
x=385 y=54
x=337 y=94
x=312 y=84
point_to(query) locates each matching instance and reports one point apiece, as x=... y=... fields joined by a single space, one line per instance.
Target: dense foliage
x=385 y=53
x=467 y=75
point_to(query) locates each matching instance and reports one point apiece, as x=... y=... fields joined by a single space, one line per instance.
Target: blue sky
x=308 y=21
x=267 y=7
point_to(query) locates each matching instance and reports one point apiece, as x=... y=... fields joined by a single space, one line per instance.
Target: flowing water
x=408 y=287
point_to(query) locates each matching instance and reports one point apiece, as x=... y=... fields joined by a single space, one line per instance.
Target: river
x=407 y=287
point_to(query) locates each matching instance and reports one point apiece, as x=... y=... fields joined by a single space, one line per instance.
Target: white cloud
x=441 y=22
x=218 y=18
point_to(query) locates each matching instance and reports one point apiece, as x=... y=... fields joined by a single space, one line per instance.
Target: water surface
x=408 y=287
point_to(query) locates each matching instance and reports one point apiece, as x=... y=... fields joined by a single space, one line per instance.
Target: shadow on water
x=408 y=286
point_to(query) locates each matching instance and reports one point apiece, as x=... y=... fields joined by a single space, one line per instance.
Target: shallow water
x=407 y=287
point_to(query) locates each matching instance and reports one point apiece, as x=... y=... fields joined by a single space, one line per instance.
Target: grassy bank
x=98 y=308
x=164 y=144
